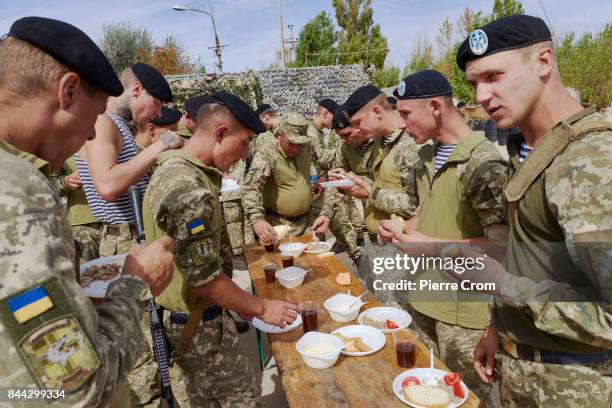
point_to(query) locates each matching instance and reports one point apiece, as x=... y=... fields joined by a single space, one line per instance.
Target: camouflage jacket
x=564 y=217
x=62 y=340
x=324 y=152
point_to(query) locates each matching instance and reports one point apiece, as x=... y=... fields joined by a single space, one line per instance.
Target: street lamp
x=217 y=46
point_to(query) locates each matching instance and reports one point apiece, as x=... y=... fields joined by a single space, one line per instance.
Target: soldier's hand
x=265 y=232
x=170 y=140
x=361 y=189
x=484 y=355
x=152 y=262
x=317 y=189
x=278 y=312
x=386 y=231
x=73 y=181
x=320 y=225
x=337 y=173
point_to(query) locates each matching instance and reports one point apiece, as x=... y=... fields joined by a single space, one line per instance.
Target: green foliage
x=124 y=45
x=387 y=77
x=584 y=64
x=316 y=43
x=360 y=41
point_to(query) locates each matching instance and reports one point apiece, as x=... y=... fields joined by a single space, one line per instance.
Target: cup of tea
x=270 y=272
x=405 y=347
x=269 y=247
x=287 y=259
x=310 y=313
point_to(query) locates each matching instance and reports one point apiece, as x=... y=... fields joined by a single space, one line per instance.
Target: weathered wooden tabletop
x=352 y=381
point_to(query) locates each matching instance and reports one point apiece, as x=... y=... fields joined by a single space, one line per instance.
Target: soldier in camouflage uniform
x=148 y=133
x=553 y=310
x=85 y=227
x=182 y=200
x=276 y=189
x=51 y=334
x=459 y=182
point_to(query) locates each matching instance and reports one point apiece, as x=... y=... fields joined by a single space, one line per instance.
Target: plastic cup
x=310 y=313
x=287 y=260
x=405 y=347
x=270 y=272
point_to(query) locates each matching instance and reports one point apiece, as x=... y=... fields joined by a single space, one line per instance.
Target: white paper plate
x=398 y=316
x=369 y=335
x=421 y=374
x=268 y=328
x=338 y=183
x=97 y=288
x=318 y=251
x=230 y=189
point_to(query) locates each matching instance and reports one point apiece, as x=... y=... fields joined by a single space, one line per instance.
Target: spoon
x=359 y=298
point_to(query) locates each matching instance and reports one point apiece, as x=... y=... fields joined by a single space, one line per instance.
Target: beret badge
x=479 y=42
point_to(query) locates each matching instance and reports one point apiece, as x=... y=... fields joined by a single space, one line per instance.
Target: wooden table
x=352 y=381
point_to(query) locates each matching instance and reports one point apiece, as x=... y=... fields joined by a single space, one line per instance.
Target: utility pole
x=282 y=35
x=291 y=41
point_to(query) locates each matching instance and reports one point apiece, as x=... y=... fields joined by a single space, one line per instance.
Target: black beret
x=193 y=104
x=460 y=104
x=341 y=118
x=392 y=100
x=70 y=46
x=153 y=81
x=505 y=34
x=360 y=98
x=243 y=112
x=168 y=116
x=329 y=104
x=262 y=108
x=423 y=84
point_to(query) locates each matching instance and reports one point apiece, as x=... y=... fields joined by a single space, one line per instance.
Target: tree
x=468 y=21
x=505 y=8
x=125 y=45
x=387 y=77
x=421 y=58
x=171 y=58
x=360 y=41
x=316 y=43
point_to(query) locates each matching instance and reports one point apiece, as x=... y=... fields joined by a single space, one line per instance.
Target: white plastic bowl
x=291 y=277
x=336 y=306
x=294 y=249
x=310 y=340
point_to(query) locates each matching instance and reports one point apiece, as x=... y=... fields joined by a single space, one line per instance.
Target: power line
x=349 y=52
x=548 y=21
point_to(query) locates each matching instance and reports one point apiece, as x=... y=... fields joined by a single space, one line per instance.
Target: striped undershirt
x=524 y=152
x=443 y=152
x=119 y=211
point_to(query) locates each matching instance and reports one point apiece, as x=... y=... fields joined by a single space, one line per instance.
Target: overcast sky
x=250 y=28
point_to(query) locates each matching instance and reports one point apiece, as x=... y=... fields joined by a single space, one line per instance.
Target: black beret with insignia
x=153 y=81
x=423 y=84
x=243 y=112
x=460 y=104
x=507 y=33
x=392 y=100
x=193 y=104
x=262 y=108
x=329 y=104
x=341 y=118
x=168 y=116
x=70 y=46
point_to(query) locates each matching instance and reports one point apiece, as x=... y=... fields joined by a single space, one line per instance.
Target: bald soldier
x=553 y=311
x=54 y=82
x=459 y=181
x=182 y=200
x=276 y=189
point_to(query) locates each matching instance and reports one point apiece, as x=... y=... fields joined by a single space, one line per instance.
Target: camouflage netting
x=295 y=90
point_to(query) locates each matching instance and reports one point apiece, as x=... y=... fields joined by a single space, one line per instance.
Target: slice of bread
x=343 y=278
x=281 y=231
x=425 y=396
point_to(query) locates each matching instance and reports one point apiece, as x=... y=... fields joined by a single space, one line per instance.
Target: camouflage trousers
x=527 y=384
x=454 y=345
x=116 y=244
x=88 y=237
x=217 y=373
x=346 y=225
x=299 y=225
x=369 y=252
x=144 y=381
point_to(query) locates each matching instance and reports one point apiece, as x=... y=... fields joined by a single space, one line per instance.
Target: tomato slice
x=452 y=378
x=458 y=390
x=409 y=381
x=391 y=324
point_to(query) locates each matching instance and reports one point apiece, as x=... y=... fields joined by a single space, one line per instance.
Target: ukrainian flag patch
x=196 y=226
x=30 y=304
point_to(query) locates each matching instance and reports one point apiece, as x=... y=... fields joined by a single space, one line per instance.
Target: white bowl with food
x=414 y=388
x=360 y=340
x=291 y=277
x=293 y=249
x=319 y=350
x=387 y=319
x=318 y=247
x=342 y=307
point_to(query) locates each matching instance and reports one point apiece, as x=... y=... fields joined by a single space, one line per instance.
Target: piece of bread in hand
x=399 y=225
x=281 y=231
x=426 y=396
x=344 y=279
